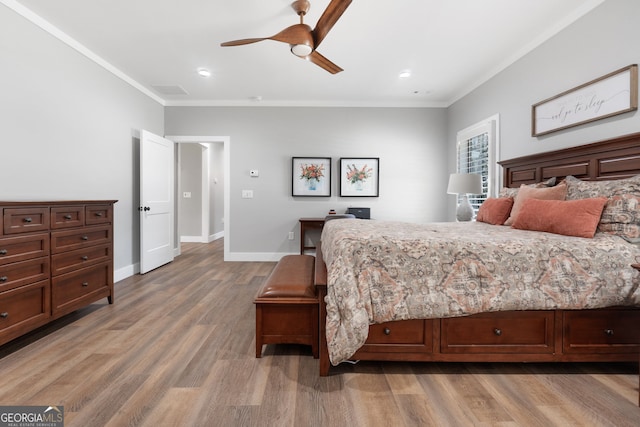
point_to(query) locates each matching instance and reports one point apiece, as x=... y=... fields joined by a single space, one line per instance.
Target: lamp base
x=464 y=212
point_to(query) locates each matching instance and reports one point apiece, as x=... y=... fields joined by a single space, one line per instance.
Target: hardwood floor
x=177 y=349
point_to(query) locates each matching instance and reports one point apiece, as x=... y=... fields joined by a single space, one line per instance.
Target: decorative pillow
x=495 y=211
x=548 y=193
x=568 y=217
x=513 y=192
x=621 y=215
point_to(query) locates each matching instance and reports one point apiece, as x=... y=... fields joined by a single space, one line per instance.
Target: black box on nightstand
x=362 y=213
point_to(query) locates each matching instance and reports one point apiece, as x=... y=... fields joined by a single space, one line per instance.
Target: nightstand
x=309 y=224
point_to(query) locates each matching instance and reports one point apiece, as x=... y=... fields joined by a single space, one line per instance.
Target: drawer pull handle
x=497 y=331
x=4 y=315
x=85 y=237
x=28 y=220
x=387 y=331
x=3 y=251
x=4 y=279
x=608 y=332
x=85 y=284
x=98 y=213
x=67 y=217
x=84 y=258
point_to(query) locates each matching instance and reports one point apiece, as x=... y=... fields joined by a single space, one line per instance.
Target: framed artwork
x=606 y=96
x=311 y=176
x=359 y=177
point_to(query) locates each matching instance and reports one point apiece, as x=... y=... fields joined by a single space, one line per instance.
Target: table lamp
x=463 y=184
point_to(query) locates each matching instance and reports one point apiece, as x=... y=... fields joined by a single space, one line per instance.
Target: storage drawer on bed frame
x=515 y=332
x=606 y=331
x=408 y=336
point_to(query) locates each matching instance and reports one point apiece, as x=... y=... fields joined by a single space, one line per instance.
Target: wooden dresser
x=55 y=257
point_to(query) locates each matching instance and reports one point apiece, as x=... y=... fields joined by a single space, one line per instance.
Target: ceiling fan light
x=301 y=50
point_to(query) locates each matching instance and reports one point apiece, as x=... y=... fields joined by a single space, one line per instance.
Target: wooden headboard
x=604 y=160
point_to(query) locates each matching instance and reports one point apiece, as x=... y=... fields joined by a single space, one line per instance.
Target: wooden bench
x=287 y=305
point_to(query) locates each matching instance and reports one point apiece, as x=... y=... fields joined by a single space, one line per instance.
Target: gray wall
x=604 y=40
x=70 y=129
x=410 y=143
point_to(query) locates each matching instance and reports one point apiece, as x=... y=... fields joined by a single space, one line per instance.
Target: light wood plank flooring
x=177 y=349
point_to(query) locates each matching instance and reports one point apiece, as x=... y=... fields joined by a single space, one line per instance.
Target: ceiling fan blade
x=329 y=17
x=243 y=41
x=323 y=62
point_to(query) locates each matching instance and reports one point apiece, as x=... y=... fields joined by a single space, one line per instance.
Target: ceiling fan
x=303 y=40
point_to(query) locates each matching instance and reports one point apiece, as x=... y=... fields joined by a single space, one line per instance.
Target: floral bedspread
x=380 y=271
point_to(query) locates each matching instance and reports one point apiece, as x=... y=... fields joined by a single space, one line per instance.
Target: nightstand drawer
x=20 y=248
x=601 y=330
x=519 y=332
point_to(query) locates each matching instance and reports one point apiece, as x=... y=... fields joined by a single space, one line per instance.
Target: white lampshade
x=465 y=183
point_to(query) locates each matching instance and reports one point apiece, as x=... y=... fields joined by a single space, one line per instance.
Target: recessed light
x=203 y=72
x=405 y=74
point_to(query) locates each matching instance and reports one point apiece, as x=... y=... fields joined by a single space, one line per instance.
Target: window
x=477 y=148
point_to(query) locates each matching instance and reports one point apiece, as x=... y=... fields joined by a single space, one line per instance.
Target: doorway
x=202 y=195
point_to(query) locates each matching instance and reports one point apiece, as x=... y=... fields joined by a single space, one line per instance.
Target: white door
x=156 y=201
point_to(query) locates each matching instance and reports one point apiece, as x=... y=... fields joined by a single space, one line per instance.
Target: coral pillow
x=578 y=218
x=495 y=211
x=551 y=193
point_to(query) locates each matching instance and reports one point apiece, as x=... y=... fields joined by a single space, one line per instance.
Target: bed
x=522 y=296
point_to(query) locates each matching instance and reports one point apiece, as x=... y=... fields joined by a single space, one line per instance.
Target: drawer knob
x=28 y=220
x=608 y=332
x=67 y=217
x=387 y=331
x=497 y=331
x=85 y=284
x=84 y=258
x=3 y=278
x=3 y=251
x=85 y=237
x=98 y=213
x=4 y=315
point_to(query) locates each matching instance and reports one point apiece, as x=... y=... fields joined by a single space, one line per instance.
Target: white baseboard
x=256 y=256
x=124 y=272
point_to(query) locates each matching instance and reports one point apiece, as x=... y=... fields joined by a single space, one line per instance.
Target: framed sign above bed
x=606 y=96
x=359 y=177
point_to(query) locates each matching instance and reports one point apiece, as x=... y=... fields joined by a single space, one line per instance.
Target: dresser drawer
x=26 y=220
x=513 y=332
x=66 y=262
x=23 y=309
x=23 y=273
x=601 y=331
x=69 y=240
x=73 y=290
x=67 y=216
x=99 y=214
x=20 y=248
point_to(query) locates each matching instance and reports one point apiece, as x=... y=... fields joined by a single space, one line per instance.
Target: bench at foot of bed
x=287 y=305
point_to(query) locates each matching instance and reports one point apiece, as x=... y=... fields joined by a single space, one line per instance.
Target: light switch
x=186 y=194
x=247 y=194
x=254 y=173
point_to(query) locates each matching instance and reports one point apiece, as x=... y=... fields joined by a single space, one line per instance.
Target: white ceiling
x=450 y=46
